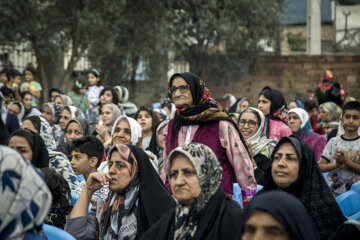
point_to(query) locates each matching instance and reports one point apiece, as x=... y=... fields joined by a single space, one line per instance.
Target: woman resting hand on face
x=203 y=211
x=294 y=170
x=137 y=198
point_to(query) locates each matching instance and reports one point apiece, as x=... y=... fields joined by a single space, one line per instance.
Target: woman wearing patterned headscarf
x=52 y=112
x=199 y=118
x=329 y=90
x=129 y=209
x=25 y=198
x=330 y=114
x=203 y=211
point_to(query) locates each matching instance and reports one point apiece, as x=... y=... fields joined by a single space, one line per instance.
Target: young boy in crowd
x=31 y=85
x=10 y=89
x=341 y=156
x=87 y=153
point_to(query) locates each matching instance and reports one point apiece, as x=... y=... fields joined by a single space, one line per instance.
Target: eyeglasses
x=182 y=89
x=250 y=123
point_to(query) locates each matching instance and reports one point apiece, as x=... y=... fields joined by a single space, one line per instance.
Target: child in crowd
x=341 y=156
x=95 y=87
x=78 y=94
x=10 y=90
x=87 y=153
x=311 y=105
x=148 y=121
x=31 y=85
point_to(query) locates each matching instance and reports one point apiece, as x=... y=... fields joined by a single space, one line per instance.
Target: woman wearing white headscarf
x=300 y=126
x=129 y=132
x=252 y=126
x=25 y=198
x=127 y=108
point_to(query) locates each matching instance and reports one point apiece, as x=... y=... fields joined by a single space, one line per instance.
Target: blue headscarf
x=25 y=198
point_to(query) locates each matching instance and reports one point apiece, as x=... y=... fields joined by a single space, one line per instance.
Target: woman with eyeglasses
x=200 y=119
x=252 y=126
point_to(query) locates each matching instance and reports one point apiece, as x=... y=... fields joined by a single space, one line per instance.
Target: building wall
x=327 y=37
x=295 y=76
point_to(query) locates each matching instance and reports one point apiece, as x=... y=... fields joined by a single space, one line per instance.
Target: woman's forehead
x=178 y=80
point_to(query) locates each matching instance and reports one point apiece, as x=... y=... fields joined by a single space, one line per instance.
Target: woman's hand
x=103 y=132
x=96 y=181
x=251 y=150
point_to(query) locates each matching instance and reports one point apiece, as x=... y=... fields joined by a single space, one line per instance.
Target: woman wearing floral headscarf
x=25 y=198
x=199 y=118
x=273 y=105
x=329 y=90
x=204 y=211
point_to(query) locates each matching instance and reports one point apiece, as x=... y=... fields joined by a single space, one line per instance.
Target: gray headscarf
x=209 y=172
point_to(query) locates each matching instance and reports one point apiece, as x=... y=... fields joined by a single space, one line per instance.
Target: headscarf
x=47 y=134
x=127 y=205
x=259 y=142
x=334 y=114
x=286 y=209
x=278 y=108
x=305 y=133
x=40 y=157
x=298 y=102
x=116 y=113
x=66 y=99
x=209 y=172
x=124 y=93
x=25 y=198
x=154 y=144
x=329 y=90
x=204 y=109
x=75 y=112
x=83 y=125
x=235 y=108
x=64 y=147
x=328 y=81
x=55 y=109
x=136 y=130
x=22 y=110
x=304 y=117
x=310 y=187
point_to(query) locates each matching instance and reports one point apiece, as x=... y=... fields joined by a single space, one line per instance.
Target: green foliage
x=115 y=35
x=297 y=42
